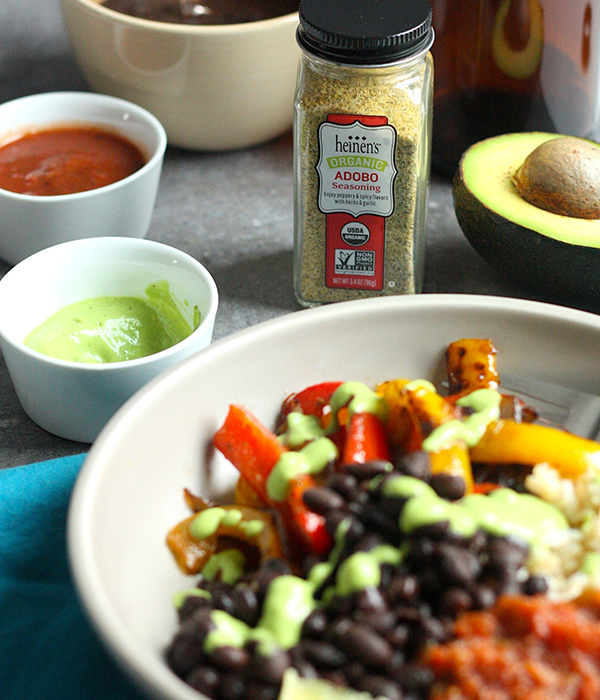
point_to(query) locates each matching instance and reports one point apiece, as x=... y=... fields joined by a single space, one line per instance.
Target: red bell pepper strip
x=365 y=440
x=309 y=533
x=251 y=447
x=254 y=451
x=310 y=401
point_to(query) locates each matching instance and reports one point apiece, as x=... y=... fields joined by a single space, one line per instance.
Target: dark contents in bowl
x=206 y=12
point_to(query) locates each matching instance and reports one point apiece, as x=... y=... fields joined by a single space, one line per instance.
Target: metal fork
x=576 y=411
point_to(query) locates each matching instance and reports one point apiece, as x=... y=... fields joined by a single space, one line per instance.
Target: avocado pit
x=562 y=176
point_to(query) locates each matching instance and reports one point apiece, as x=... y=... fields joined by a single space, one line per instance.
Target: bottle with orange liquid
x=513 y=65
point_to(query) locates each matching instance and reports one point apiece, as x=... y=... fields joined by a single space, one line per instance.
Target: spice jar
x=362 y=148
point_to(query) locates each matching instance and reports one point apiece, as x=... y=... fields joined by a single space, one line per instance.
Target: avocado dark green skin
x=562 y=270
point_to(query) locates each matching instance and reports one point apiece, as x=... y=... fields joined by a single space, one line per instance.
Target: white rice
x=567 y=564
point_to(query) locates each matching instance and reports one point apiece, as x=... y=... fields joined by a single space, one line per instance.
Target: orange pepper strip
x=430 y=410
x=508 y=442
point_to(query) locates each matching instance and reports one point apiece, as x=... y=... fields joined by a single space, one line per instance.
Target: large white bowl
x=159 y=442
x=29 y=223
x=74 y=399
x=214 y=87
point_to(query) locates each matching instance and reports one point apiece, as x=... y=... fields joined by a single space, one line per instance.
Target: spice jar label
x=356 y=166
x=357 y=171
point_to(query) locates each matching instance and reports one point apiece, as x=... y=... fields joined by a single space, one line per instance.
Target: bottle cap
x=365 y=32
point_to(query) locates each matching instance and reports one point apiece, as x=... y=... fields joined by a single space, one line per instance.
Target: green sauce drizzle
x=486 y=406
x=359 y=399
x=311 y=459
x=300 y=429
x=228 y=564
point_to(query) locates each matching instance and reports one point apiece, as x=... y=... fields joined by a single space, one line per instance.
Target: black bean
x=333 y=520
x=267 y=572
x=245 y=605
x=455 y=600
x=368 y=470
x=232 y=686
x=448 y=486
x=370 y=599
x=221 y=596
x=184 y=653
x=378 y=520
x=345 y=484
x=191 y=604
x=270 y=668
x=505 y=555
x=323 y=500
x=323 y=654
x=368 y=541
x=204 y=679
x=229 y=658
x=260 y=691
x=314 y=625
x=379 y=686
x=339 y=605
x=417 y=464
x=535 y=585
x=483 y=595
x=398 y=636
x=457 y=565
x=354 y=670
x=403 y=588
x=416 y=679
x=382 y=621
x=436 y=531
x=363 y=644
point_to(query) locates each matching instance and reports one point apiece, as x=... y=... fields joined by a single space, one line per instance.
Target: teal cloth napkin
x=48 y=650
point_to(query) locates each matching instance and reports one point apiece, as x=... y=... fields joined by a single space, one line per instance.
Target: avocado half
x=550 y=252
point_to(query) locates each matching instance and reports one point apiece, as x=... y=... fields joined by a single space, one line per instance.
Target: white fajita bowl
x=159 y=442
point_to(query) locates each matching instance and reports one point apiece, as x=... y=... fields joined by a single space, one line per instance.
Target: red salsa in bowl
x=66 y=160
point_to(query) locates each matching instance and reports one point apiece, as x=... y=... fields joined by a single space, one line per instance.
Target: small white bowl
x=71 y=399
x=30 y=223
x=213 y=87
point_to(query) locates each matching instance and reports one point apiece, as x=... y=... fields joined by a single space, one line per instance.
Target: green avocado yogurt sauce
x=113 y=328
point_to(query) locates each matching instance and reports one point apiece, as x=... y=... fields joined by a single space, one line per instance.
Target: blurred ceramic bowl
x=160 y=442
x=75 y=399
x=213 y=87
x=30 y=223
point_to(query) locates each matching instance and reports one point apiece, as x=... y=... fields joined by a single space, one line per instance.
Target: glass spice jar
x=362 y=148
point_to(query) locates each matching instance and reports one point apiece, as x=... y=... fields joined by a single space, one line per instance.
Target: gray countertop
x=232 y=211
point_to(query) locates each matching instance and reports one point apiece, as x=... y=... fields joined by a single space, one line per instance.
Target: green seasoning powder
x=113 y=329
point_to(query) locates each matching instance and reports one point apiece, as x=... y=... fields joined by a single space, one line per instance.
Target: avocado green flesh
x=486 y=171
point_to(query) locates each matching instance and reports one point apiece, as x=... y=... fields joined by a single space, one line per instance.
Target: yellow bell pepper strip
x=399 y=423
x=471 y=364
x=509 y=442
x=430 y=410
x=254 y=450
x=249 y=527
x=190 y=553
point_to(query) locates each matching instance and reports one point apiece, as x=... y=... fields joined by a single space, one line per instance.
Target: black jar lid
x=365 y=32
